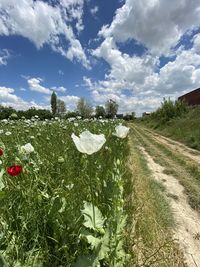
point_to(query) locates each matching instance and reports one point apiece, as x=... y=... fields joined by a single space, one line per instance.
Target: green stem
x=92 y=199
x=92 y=193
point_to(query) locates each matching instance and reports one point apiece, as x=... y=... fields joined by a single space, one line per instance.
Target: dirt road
x=177 y=168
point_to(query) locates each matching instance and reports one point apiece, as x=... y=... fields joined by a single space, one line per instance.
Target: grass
x=153 y=242
x=185 y=129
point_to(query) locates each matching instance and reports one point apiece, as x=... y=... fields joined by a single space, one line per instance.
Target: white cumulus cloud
x=43 y=23
x=4 y=56
x=157 y=24
x=10 y=99
x=35 y=85
x=94 y=10
x=167 y=68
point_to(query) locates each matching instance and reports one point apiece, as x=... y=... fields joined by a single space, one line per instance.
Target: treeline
x=166 y=112
x=58 y=109
x=11 y=113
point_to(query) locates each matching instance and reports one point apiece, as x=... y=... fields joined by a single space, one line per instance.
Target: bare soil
x=187 y=230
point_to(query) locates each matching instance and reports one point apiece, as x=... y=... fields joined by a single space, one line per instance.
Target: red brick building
x=192 y=98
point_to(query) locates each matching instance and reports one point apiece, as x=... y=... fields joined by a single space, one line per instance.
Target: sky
x=133 y=52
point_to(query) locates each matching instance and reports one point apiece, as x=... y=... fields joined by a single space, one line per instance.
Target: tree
x=100 y=111
x=61 y=107
x=54 y=103
x=31 y=112
x=5 y=112
x=111 y=108
x=83 y=108
x=129 y=116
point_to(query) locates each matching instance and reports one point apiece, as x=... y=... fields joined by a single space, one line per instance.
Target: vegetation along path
x=175 y=169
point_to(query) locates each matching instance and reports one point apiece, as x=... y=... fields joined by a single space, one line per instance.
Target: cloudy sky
x=134 y=52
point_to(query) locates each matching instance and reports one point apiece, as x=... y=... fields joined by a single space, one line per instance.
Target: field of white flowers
x=62 y=193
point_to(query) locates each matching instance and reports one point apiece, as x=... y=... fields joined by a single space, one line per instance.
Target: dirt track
x=187 y=229
x=178 y=147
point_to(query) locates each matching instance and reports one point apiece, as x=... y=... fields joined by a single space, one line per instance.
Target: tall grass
x=178 y=121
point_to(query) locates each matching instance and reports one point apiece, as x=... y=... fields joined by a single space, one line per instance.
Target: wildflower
x=14 y=170
x=1 y=162
x=70 y=186
x=28 y=148
x=71 y=119
x=8 y=133
x=88 y=143
x=121 y=131
x=1 y=152
x=61 y=160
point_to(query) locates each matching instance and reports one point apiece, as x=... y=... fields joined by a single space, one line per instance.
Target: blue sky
x=134 y=52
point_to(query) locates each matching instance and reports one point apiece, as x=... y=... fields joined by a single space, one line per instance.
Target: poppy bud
x=1 y=152
x=14 y=170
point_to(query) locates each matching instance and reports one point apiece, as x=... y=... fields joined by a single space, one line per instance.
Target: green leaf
x=92 y=240
x=2 y=262
x=121 y=223
x=87 y=261
x=104 y=249
x=88 y=217
x=2 y=195
x=99 y=245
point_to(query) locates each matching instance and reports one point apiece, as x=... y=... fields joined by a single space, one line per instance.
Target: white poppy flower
x=121 y=131
x=71 y=119
x=28 y=148
x=88 y=143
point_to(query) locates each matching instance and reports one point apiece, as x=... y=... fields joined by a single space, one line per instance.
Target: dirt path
x=177 y=146
x=187 y=230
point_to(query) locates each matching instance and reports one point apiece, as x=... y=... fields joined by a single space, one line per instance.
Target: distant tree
x=168 y=110
x=129 y=116
x=31 y=112
x=83 y=108
x=54 y=103
x=100 y=111
x=133 y=115
x=61 y=107
x=5 y=112
x=71 y=114
x=111 y=108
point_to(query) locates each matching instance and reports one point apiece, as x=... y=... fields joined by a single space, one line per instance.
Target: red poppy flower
x=1 y=152
x=14 y=170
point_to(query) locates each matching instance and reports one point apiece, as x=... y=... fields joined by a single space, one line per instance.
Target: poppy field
x=62 y=193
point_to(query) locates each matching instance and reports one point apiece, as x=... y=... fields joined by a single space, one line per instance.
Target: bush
x=13 y=116
x=168 y=111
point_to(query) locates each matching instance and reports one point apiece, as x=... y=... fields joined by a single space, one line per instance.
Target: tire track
x=187 y=230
